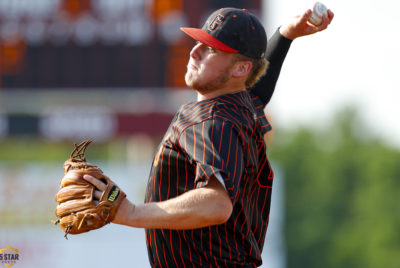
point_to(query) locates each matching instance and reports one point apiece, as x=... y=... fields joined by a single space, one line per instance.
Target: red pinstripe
x=229 y=148
x=186 y=167
x=155 y=242
x=172 y=246
x=234 y=227
x=255 y=227
x=265 y=199
x=236 y=158
x=177 y=173
x=201 y=239
x=222 y=133
x=197 y=252
x=203 y=250
x=180 y=250
x=202 y=169
x=159 y=188
x=169 y=173
x=220 y=242
x=212 y=144
x=194 y=141
x=204 y=143
x=215 y=261
x=227 y=242
x=165 y=258
x=258 y=175
x=190 y=252
x=209 y=240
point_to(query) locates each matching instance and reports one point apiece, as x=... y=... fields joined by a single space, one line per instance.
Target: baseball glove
x=78 y=211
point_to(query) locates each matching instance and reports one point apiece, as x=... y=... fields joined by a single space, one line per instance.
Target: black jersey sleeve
x=277 y=49
x=215 y=147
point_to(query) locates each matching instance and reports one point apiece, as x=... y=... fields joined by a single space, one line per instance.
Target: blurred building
x=99 y=43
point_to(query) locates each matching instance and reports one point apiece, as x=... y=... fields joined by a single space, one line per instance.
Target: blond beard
x=205 y=87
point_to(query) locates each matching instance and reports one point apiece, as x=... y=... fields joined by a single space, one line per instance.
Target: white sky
x=354 y=62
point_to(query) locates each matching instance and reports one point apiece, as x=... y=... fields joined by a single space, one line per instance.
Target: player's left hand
x=299 y=25
x=100 y=187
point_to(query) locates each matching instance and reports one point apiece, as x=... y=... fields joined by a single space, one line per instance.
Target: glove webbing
x=78 y=154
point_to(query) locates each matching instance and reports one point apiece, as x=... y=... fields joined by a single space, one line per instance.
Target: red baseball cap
x=232 y=30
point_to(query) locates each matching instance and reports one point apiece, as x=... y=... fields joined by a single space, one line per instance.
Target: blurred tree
x=342 y=196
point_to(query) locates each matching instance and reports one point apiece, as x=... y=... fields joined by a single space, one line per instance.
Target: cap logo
x=216 y=22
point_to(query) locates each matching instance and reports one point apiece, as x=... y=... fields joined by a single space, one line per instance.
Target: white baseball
x=318 y=11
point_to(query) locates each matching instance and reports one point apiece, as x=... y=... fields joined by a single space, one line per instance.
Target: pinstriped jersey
x=221 y=135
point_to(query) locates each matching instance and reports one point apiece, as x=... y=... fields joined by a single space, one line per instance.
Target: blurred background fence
x=112 y=71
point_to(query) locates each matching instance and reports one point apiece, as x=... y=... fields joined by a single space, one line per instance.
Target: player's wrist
x=125 y=213
x=287 y=32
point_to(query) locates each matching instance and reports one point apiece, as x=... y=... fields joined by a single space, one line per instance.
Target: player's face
x=208 y=69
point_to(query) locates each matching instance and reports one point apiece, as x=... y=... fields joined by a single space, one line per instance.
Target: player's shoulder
x=235 y=109
x=238 y=107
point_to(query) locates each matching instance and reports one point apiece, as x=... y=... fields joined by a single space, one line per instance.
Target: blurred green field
x=33 y=149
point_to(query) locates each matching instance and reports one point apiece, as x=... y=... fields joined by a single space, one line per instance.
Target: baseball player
x=209 y=191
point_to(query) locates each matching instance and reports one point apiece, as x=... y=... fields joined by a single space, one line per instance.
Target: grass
x=31 y=149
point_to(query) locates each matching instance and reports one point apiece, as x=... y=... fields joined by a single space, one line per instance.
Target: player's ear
x=241 y=68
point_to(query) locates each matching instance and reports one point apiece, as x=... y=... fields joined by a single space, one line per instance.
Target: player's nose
x=196 y=51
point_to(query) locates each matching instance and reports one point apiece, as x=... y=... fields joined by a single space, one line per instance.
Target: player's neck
x=228 y=88
x=214 y=94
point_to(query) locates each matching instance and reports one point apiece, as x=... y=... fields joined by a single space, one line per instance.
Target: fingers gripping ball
x=78 y=211
x=319 y=9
